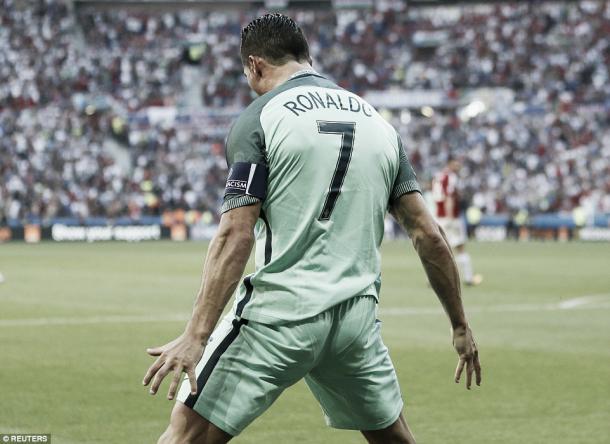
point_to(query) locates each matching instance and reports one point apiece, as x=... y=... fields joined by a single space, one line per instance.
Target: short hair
x=276 y=38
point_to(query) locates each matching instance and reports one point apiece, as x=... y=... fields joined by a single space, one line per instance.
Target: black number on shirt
x=347 y=131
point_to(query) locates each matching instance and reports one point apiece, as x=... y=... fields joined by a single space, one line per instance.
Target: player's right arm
x=435 y=254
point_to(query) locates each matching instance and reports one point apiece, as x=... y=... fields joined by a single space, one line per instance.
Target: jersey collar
x=304 y=72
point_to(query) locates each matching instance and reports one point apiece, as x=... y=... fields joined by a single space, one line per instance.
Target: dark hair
x=276 y=38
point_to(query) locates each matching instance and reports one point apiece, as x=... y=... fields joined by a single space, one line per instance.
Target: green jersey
x=332 y=166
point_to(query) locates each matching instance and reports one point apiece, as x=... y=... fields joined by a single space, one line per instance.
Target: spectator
x=77 y=87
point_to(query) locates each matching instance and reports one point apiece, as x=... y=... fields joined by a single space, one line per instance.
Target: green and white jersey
x=333 y=165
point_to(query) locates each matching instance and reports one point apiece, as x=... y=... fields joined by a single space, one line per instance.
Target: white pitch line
x=403 y=311
x=589 y=302
x=115 y=319
x=584 y=300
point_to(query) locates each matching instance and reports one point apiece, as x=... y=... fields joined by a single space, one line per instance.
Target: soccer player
x=313 y=170
x=447 y=204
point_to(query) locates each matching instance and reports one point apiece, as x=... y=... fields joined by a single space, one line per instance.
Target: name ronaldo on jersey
x=311 y=100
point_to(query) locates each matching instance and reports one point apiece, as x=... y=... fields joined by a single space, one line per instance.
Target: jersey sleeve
x=406 y=181
x=246 y=161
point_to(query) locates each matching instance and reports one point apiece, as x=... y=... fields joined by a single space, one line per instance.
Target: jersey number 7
x=347 y=131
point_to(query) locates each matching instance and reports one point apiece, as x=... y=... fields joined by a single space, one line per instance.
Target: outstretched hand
x=180 y=355
x=466 y=348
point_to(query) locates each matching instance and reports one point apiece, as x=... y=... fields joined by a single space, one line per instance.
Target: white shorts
x=455 y=230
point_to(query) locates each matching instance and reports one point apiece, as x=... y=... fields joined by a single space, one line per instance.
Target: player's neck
x=279 y=74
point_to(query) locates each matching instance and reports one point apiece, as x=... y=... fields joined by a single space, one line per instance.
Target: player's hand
x=180 y=355
x=466 y=348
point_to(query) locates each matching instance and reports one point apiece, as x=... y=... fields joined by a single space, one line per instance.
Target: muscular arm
x=224 y=265
x=222 y=269
x=435 y=254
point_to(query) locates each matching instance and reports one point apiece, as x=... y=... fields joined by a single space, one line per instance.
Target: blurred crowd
x=539 y=162
x=77 y=87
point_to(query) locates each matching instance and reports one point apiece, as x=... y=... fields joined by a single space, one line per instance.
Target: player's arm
x=449 y=205
x=448 y=196
x=435 y=254
x=223 y=267
x=245 y=190
x=428 y=238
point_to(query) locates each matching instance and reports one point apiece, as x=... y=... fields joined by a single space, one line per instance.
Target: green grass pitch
x=75 y=320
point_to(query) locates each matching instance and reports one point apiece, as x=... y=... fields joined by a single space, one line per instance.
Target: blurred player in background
x=314 y=168
x=448 y=214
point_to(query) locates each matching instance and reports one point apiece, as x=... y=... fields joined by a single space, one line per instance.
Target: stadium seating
x=82 y=89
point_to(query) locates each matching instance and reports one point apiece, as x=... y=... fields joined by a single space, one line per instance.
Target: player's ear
x=250 y=66
x=254 y=63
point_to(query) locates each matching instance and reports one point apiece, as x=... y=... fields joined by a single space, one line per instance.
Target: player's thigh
x=186 y=426
x=397 y=433
x=355 y=382
x=244 y=368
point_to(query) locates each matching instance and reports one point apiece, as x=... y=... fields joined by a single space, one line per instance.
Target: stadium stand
x=114 y=113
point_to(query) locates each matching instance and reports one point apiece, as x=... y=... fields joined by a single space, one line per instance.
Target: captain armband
x=247 y=179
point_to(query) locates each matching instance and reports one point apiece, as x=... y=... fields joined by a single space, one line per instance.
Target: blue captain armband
x=247 y=179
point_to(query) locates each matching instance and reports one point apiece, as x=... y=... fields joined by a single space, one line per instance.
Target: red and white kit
x=446 y=199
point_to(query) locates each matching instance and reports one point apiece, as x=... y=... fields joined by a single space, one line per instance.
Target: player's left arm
x=410 y=210
x=224 y=265
x=435 y=254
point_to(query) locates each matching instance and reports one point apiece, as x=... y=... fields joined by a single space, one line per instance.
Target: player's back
x=332 y=165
